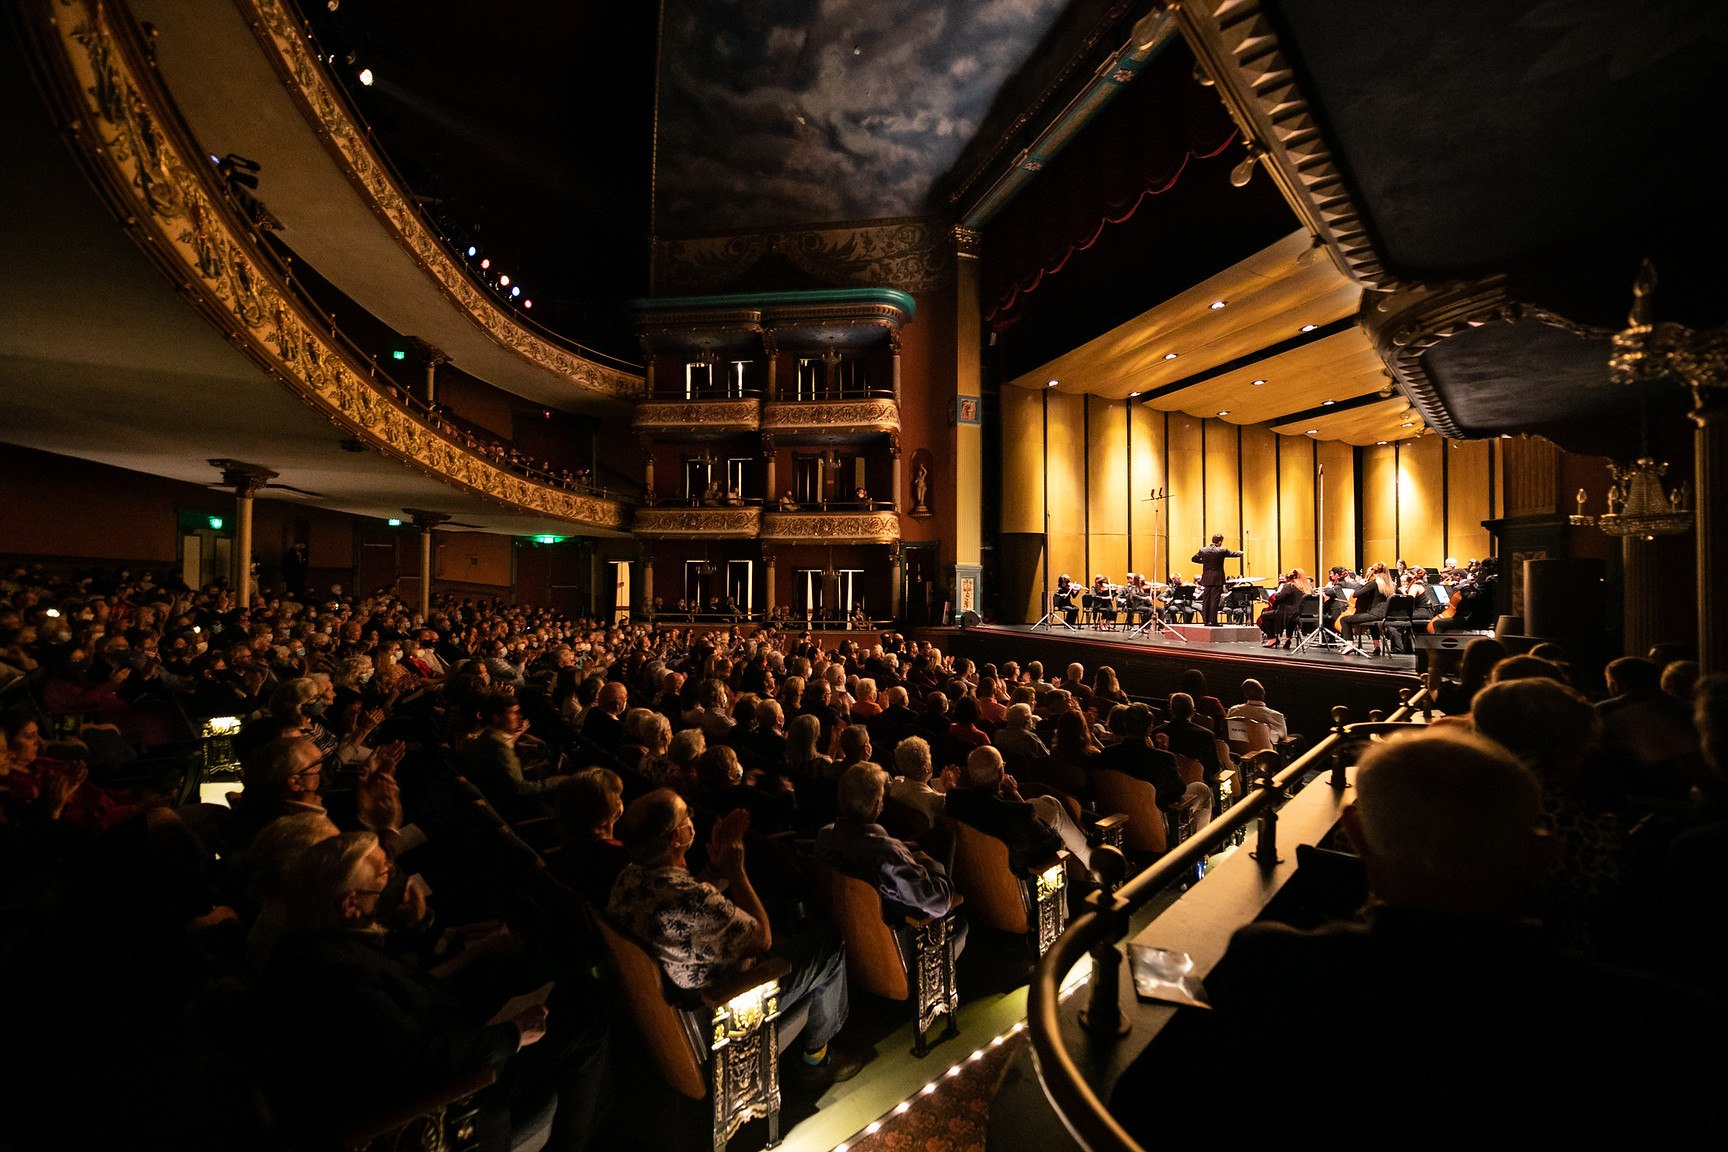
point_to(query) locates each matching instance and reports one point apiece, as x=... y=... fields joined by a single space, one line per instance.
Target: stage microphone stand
x=1322 y=636
x=1154 y=618
x=1054 y=616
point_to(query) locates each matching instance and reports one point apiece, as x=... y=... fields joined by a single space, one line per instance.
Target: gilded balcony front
x=697 y=419
x=682 y=522
x=825 y=421
x=831 y=527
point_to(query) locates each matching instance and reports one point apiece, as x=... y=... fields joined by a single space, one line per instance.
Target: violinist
x=1066 y=599
x=1136 y=598
x=1367 y=609
x=1280 y=621
x=1102 y=601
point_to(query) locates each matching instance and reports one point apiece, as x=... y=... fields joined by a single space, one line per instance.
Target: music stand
x=1155 y=621
x=1054 y=615
x=1322 y=636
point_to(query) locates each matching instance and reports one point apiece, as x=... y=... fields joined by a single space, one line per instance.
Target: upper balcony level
x=802 y=367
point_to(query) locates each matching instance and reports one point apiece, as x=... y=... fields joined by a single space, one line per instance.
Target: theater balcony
x=697 y=523
x=831 y=526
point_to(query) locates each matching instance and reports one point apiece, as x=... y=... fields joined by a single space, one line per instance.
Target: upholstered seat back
x=873 y=960
x=981 y=873
x=1120 y=792
x=659 y=1022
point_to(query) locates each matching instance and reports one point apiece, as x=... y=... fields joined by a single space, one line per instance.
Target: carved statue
x=921 y=487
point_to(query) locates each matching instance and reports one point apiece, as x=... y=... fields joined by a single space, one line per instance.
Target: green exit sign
x=398 y=354
x=550 y=539
x=215 y=523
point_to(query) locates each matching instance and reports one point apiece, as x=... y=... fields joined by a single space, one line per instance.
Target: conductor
x=1211 y=560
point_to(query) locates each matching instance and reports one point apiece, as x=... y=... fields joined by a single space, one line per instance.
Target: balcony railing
x=685 y=522
x=832 y=526
x=790 y=419
x=1098 y=932
x=707 y=417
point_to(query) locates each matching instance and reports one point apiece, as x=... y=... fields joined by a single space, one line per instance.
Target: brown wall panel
x=1146 y=551
x=1223 y=487
x=1187 y=509
x=1421 y=501
x=1065 y=494
x=1260 y=530
x=1022 y=460
x=1296 y=505
x=1468 y=464
x=1107 y=487
x=1379 y=504
x=471 y=558
x=1338 y=512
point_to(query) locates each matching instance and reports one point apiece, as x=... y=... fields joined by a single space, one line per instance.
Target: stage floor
x=1195 y=638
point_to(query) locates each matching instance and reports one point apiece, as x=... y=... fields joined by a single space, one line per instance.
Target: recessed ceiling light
x=1309 y=327
x=1379 y=442
x=1407 y=424
x=1217 y=304
x=1505 y=435
x=1326 y=402
x=1169 y=355
x=1051 y=383
x=1226 y=412
x=1133 y=394
x=1312 y=432
x=1256 y=383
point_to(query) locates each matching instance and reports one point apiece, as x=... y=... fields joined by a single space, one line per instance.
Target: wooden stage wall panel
x=1260 y=530
x=1338 y=517
x=1065 y=491
x=1296 y=505
x=1421 y=501
x=1107 y=487
x=1187 y=497
x=1022 y=461
x=1146 y=551
x=1379 y=504
x=1467 y=471
x=1223 y=487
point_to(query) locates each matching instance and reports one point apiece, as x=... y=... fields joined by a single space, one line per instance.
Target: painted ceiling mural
x=790 y=112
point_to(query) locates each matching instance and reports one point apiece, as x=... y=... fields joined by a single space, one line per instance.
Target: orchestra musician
x=1211 y=560
x=1102 y=601
x=1367 y=609
x=1280 y=621
x=1335 y=595
x=1471 y=603
x=1067 y=599
x=1137 y=603
x=1178 y=600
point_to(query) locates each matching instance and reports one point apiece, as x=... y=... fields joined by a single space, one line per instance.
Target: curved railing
x=125 y=132
x=289 y=45
x=1099 y=932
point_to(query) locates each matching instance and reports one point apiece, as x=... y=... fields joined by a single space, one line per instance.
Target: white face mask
x=366 y=676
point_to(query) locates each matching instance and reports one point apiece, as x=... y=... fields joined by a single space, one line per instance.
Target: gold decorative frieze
x=914 y=255
x=675 y=523
x=832 y=527
x=709 y=417
x=289 y=50
x=1406 y=323
x=856 y=417
x=136 y=153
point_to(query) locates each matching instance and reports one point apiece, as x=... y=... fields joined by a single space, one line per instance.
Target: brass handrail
x=1081 y=1111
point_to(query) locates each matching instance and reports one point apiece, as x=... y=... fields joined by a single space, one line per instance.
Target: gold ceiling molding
x=697 y=523
x=1407 y=322
x=831 y=527
x=126 y=137
x=789 y=418
x=289 y=50
x=712 y=417
x=1236 y=45
x=913 y=255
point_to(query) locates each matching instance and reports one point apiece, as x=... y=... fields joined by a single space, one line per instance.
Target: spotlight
x=503 y=281
x=1051 y=383
x=1216 y=304
x=473 y=251
x=486 y=263
x=515 y=291
x=1169 y=355
x=1312 y=432
x=366 y=77
x=1226 y=412
x=1408 y=424
x=527 y=303
x=1309 y=327
x=1256 y=383
x=1379 y=443
x=1327 y=403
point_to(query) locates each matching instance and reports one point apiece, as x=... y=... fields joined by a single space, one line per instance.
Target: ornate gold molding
x=832 y=527
x=696 y=523
x=1406 y=323
x=1238 y=48
x=286 y=45
x=788 y=418
x=913 y=255
x=135 y=151
x=711 y=417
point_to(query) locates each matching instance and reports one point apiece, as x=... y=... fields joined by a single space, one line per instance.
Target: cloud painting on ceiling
x=784 y=112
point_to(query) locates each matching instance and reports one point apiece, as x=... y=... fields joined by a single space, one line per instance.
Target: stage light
x=1256 y=383
x=527 y=303
x=52 y=613
x=1309 y=327
x=1312 y=432
x=1408 y=424
x=516 y=291
x=1243 y=172
x=473 y=251
x=504 y=281
x=1226 y=412
x=366 y=77
x=1217 y=304
x=1327 y=403
x=1169 y=355
x=1051 y=383
x=1133 y=394
x=486 y=263
x=1379 y=443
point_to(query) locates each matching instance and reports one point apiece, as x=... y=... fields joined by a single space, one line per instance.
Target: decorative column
x=900 y=503
x=967 y=472
x=896 y=578
x=1641 y=583
x=647 y=557
x=246 y=480
x=768 y=604
x=771 y=347
x=648 y=367
x=428 y=523
x=433 y=359
x=773 y=490
x=894 y=348
x=648 y=470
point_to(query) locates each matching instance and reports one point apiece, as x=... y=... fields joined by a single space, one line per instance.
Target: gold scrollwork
x=836 y=527
x=739 y=415
x=683 y=523
x=167 y=197
x=279 y=32
x=866 y=415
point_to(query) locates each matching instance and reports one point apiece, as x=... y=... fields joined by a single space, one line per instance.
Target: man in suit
x=1211 y=560
x=991 y=802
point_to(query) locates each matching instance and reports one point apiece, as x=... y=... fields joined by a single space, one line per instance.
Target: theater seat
x=726 y=1041
x=912 y=959
x=998 y=898
x=1147 y=833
